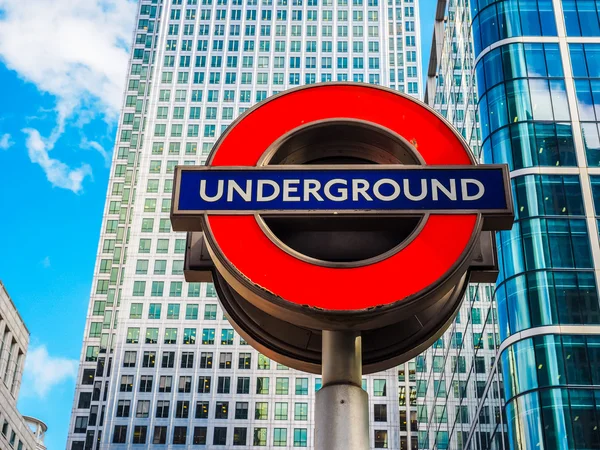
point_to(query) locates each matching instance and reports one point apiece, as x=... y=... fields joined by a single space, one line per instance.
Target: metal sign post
x=342 y=406
x=321 y=188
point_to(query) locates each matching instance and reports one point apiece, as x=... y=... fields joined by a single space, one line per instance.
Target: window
x=301 y=386
x=239 y=436
x=261 y=411
x=223 y=385
x=301 y=411
x=146 y=383
x=139 y=288
x=129 y=359
x=165 y=383
x=260 y=437
x=204 y=384
x=221 y=410
x=227 y=337
x=380 y=413
x=191 y=311
x=85 y=399
x=187 y=360
x=208 y=336
x=88 y=377
x=185 y=384
x=179 y=435
x=280 y=437
x=263 y=362
x=162 y=409
x=200 y=435
x=220 y=436
x=262 y=385
x=300 y=437
x=80 y=425
x=154 y=311
x=244 y=361
x=168 y=360
x=210 y=312
x=225 y=360
x=241 y=410
x=281 y=411
x=282 y=386
x=243 y=385
x=160 y=435
x=189 y=336
x=123 y=407
x=139 y=434
x=173 y=311
x=143 y=409
x=206 y=360
x=182 y=409
x=379 y=388
x=119 y=434
x=201 y=410
x=126 y=383
x=170 y=336
x=381 y=440
x=151 y=335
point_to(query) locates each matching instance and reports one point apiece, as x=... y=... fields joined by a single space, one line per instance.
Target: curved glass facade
x=547 y=404
x=497 y=20
x=547 y=268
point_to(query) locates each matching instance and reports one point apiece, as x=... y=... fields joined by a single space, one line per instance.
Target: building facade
x=160 y=363
x=536 y=76
x=14 y=340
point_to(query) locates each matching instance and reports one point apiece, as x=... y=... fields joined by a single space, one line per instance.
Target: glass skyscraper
x=160 y=364
x=534 y=76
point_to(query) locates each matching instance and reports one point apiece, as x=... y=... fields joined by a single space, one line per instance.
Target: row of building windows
x=280 y=15
x=522 y=145
x=554 y=418
x=551 y=360
x=493 y=21
x=546 y=297
x=199 y=436
x=170 y=336
x=10 y=434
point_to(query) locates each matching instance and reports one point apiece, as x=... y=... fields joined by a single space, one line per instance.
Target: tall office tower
x=537 y=76
x=160 y=362
x=16 y=431
x=460 y=403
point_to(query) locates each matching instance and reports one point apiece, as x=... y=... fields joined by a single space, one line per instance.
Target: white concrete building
x=14 y=340
x=160 y=364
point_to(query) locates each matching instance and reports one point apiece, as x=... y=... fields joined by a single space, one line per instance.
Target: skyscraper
x=162 y=364
x=16 y=431
x=536 y=80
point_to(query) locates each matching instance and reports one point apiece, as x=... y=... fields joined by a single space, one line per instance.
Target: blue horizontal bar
x=238 y=190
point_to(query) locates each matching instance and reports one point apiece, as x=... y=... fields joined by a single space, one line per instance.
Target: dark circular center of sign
x=342 y=239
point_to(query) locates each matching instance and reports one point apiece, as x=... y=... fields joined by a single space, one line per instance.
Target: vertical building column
x=5 y=354
x=18 y=374
x=586 y=187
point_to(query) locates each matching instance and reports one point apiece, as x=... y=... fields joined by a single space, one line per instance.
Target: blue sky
x=62 y=67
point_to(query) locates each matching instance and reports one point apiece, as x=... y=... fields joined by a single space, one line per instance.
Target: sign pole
x=342 y=407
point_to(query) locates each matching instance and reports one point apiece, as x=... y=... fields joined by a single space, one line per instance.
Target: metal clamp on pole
x=342 y=407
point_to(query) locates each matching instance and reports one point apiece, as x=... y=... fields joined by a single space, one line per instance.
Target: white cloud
x=58 y=173
x=5 y=142
x=77 y=51
x=93 y=145
x=46 y=262
x=43 y=372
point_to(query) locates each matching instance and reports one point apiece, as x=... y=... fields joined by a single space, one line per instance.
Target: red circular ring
x=442 y=242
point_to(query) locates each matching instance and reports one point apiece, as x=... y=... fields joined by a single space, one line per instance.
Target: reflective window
x=493 y=21
x=581 y=17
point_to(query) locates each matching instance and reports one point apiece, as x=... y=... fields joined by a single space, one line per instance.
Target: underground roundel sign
x=334 y=202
